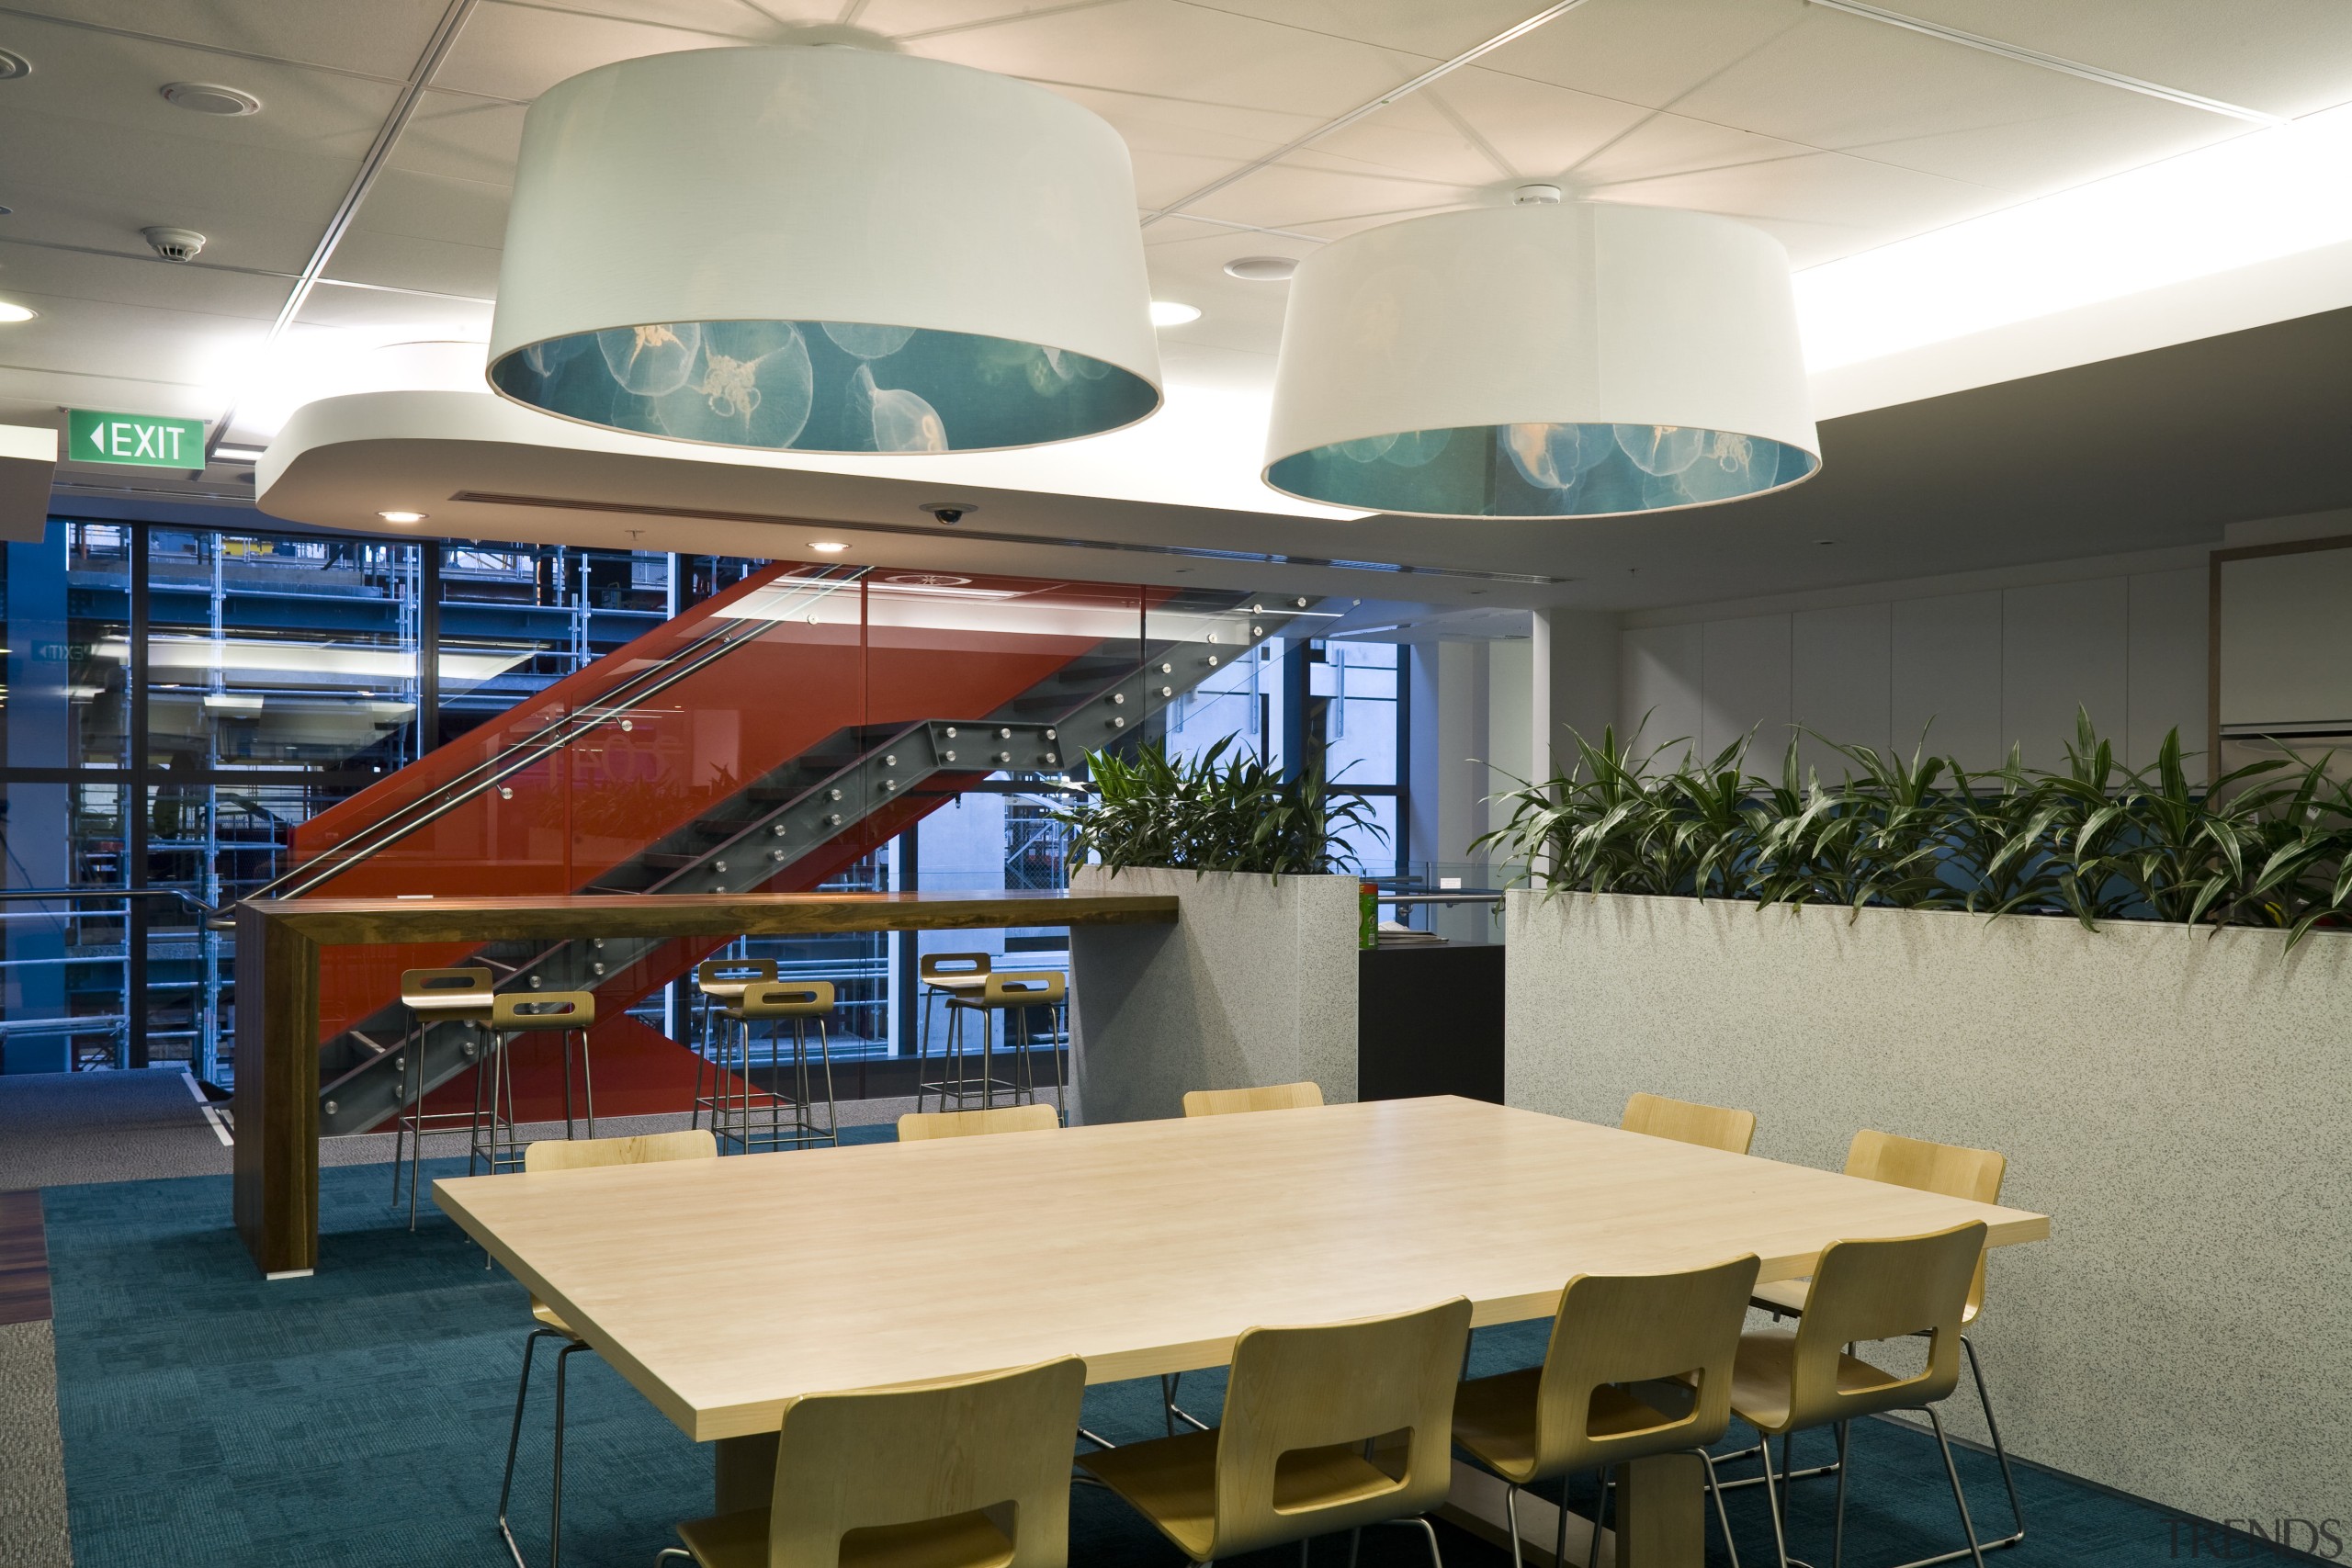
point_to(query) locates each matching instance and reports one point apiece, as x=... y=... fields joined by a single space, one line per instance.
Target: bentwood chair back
x=1614 y=1330
x=1949 y=1170
x=649 y=1148
x=917 y=1127
x=915 y=1476
x=1232 y=1101
x=1687 y=1121
x=1864 y=1291
x=1295 y=1456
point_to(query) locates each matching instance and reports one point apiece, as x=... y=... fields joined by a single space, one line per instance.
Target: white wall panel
x=2062 y=648
x=1840 y=680
x=1744 y=688
x=1658 y=682
x=2168 y=659
x=1945 y=676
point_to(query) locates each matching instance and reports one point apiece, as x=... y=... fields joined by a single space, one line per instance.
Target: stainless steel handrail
x=489 y=774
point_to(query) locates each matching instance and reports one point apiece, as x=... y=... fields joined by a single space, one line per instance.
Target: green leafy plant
x=1216 y=812
x=2268 y=844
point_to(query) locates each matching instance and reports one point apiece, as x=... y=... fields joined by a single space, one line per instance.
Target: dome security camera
x=949 y=511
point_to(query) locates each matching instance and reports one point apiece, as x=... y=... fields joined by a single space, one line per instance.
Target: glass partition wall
x=273 y=678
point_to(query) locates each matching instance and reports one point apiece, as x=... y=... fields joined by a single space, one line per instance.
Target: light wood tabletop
x=723 y=1288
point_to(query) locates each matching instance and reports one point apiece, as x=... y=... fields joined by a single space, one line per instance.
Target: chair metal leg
x=2000 y=1449
x=408 y=1054
x=555 y=1495
x=1723 y=1516
x=588 y=1081
x=1510 y=1520
x=1772 y=1502
x=1958 y=1498
x=563 y=1047
x=1061 y=1105
x=832 y=1107
x=1837 y=1529
x=988 y=1058
x=1600 y=1508
x=515 y=1439
x=700 y=1030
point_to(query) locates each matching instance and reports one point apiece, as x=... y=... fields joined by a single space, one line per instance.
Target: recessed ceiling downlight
x=1261 y=269
x=210 y=97
x=12 y=311
x=991 y=301
x=13 y=65
x=1174 y=313
x=827 y=546
x=402 y=516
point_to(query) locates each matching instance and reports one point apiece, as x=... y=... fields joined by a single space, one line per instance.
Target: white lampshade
x=825 y=249
x=1542 y=361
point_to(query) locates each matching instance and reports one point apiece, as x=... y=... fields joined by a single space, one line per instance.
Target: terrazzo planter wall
x=2178 y=1101
x=1255 y=984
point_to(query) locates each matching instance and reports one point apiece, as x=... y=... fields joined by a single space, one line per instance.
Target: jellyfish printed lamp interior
x=830 y=250
x=824 y=386
x=1542 y=362
x=1541 y=471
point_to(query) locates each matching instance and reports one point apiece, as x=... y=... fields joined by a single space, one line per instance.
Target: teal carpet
x=357 y=1418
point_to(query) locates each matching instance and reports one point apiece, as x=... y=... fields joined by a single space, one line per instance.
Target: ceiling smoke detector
x=1261 y=269
x=210 y=98
x=174 y=244
x=13 y=66
x=1536 y=196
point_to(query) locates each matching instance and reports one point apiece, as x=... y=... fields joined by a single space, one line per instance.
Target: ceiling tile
x=411 y=261
x=1820 y=205
x=461 y=138
x=426 y=207
x=1181 y=54
x=383 y=38
x=77 y=285
x=1840 y=80
x=1645 y=51
x=2286 y=57
x=519 y=51
x=395 y=317
x=1438 y=32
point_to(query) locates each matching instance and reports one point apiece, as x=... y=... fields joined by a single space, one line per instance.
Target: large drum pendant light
x=827 y=250
x=1544 y=361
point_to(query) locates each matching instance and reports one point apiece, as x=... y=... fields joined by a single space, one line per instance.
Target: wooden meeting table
x=721 y=1289
x=276 y=1101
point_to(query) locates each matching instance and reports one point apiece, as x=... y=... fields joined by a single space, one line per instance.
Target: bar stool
x=949 y=975
x=431 y=996
x=735 y=1109
x=718 y=983
x=512 y=1015
x=1007 y=992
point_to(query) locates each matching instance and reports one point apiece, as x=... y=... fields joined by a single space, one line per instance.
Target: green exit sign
x=137 y=440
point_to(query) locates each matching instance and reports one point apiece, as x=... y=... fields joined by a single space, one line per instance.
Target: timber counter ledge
x=276 y=1098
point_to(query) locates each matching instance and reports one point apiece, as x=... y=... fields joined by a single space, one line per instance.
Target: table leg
x=1661 y=1512
x=743 y=1473
x=1658 y=1520
x=276 y=1161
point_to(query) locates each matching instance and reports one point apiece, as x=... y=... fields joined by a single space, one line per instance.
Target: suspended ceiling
x=1837 y=133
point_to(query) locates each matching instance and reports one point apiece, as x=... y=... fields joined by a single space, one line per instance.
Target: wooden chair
x=1786 y=1382
x=736 y=1106
x=1014 y=993
x=514 y=1014
x=1578 y=1411
x=538 y=1159
x=921 y=1126
x=1687 y=1121
x=1296 y=1456
x=968 y=1473
x=948 y=975
x=431 y=996
x=1951 y=1170
x=719 y=984
x=1273 y=1097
